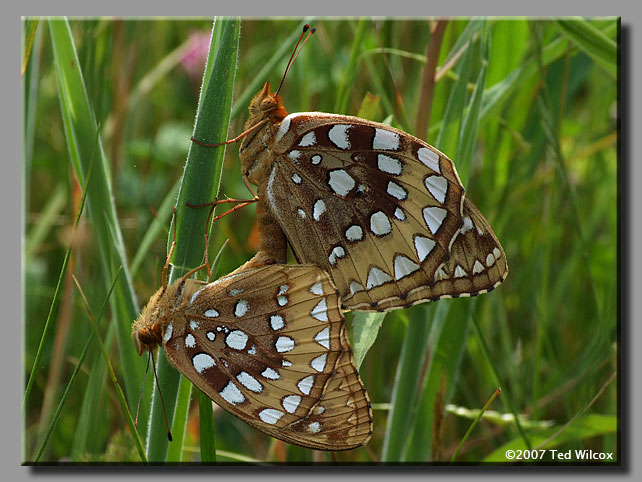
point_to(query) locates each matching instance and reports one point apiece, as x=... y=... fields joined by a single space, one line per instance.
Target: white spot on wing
x=291 y=403
x=385 y=140
x=286 y=363
x=236 y=339
x=377 y=277
x=316 y=159
x=284 y=343
x=319 y=362
x=296 y=179
x=194 y=325
x=168 y=333
x=341 y=182
x=355 y=287
x=241 y=308
x=423 y=246
x=354 y=233
x=323 y=338
x=202 y=361
x=282 y=300
x=301 y=213
x=459 y=272
x=396 y=191
x=314 y=427
x=232 y=394
x=308 y=140
x=477 y=267
x=429 y=158
x=490 y=260
x=317 y=288
x=337 y=252
x=319 y=209
x=497 y=253
x=249 y=382
x=277 y=322
x=338 y=135
x=271 y=374
x=211 y=313
x=389 y=164
x=283 y=129
x=270 y=415
x=434 y=217
x=320 y=311
x=190 y=341
x=211 y=336
x=294 y=155
x=404 y=266
x=438 y=186
x=305 y=384
x=380 y=224
x=468 y=225
x=400 y=215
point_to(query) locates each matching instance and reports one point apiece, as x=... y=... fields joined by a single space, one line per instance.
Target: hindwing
x=269 y=345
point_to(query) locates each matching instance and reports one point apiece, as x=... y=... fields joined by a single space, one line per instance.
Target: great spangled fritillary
x=383 y=212
x=268 y=345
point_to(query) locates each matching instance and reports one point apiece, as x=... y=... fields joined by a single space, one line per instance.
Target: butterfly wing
x=269 y=345
x=476 y=265
x=375 y=207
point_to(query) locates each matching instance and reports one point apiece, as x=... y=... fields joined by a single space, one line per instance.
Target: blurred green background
x=527 y=109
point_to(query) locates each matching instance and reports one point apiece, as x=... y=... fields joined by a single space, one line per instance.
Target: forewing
x=269 y=345
x=375 y=207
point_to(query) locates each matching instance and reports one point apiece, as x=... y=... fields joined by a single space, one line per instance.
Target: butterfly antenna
x=295 y=53
x=169 y=434
x=140 y=395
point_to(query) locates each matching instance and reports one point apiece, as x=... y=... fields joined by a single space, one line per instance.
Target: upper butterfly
x=380 y=210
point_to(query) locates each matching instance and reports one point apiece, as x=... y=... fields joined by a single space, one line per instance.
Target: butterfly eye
x=268 y=104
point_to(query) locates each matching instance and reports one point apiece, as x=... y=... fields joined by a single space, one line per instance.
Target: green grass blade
x=341 y=104
x=206 y=420
x=591 y=41
x=474 y=424
x=47 y=331
x=470 y=123
x=175 y=451
x=157 y=227
x=407 y=383
x=81 y=131
x=444 y=357
x=200 y=183
x=112 y=373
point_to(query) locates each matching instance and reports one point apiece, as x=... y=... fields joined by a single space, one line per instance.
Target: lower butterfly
x=268 y=345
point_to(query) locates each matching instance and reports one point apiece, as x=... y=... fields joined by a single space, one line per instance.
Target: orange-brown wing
x=477 y=263
x=375 y=207
x=269 y=345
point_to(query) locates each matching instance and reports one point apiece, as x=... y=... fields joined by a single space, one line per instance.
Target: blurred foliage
x=543 y=171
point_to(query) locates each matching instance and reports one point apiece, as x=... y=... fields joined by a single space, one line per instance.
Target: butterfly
x=383 y=212
x=268 y=345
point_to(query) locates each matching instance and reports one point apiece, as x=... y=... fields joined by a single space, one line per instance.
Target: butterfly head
x=147 y=329
x=267 y=110
x=265 y=105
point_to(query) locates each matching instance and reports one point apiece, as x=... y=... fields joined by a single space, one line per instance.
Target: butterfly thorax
x=256 y=150
x=167 y=305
